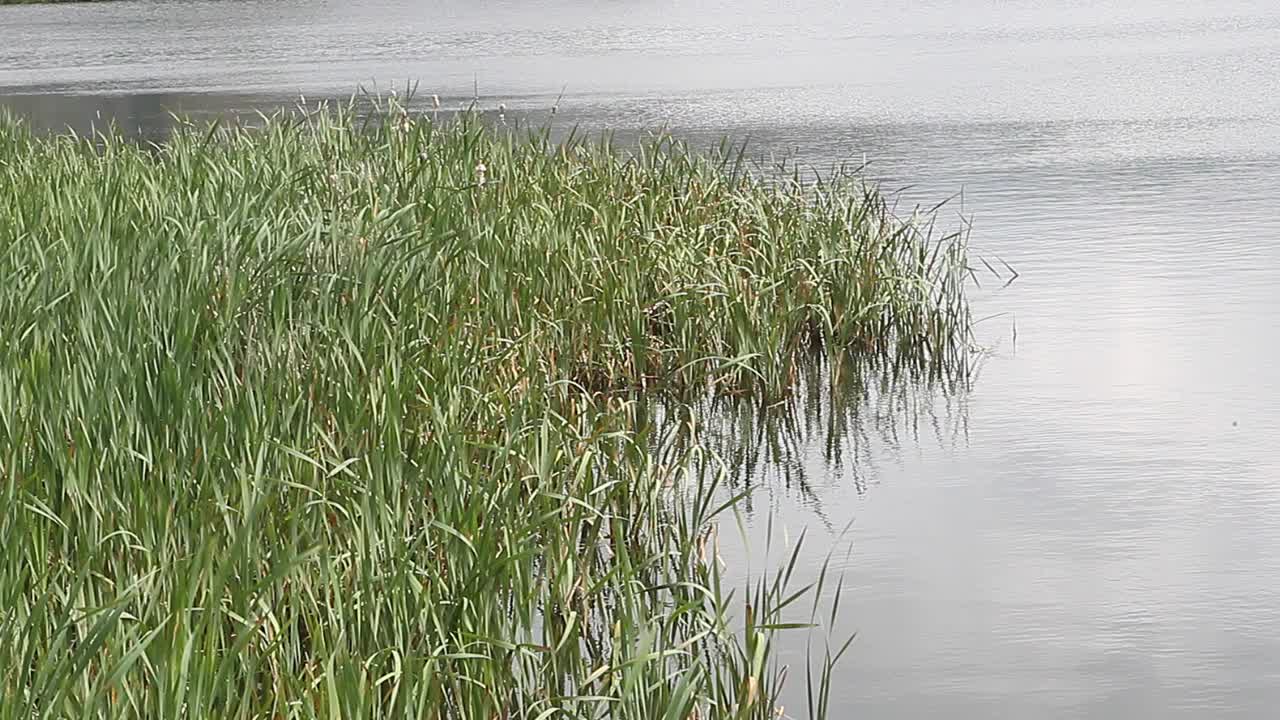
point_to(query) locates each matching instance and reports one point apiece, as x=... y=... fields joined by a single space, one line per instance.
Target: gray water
x=1093 y=530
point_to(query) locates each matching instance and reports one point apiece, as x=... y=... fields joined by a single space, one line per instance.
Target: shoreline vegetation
x=328 y=418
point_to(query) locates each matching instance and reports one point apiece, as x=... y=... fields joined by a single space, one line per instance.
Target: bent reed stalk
x=324 y=419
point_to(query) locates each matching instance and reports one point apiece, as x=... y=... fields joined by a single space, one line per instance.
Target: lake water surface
x=1093 y=530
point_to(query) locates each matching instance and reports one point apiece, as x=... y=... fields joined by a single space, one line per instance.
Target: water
x=1092 y=531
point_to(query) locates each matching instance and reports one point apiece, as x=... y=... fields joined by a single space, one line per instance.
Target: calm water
x=1094 y=530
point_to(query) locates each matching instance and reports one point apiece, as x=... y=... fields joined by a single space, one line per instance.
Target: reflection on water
x=829 y=435
x=147 y=115
x=1092 y=529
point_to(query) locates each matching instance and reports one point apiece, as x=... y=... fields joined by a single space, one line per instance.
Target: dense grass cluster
x=321 y=420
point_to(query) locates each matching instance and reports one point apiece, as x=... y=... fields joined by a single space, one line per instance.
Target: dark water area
x=1093 y=528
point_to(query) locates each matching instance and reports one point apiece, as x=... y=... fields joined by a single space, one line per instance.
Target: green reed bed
x=319 y=420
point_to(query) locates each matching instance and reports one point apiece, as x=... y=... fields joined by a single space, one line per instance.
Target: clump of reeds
x=330 y=420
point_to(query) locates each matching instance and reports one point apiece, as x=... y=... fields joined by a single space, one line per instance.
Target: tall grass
x=330 y=420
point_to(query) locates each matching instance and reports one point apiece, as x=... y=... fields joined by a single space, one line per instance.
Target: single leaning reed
x=327 y=419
